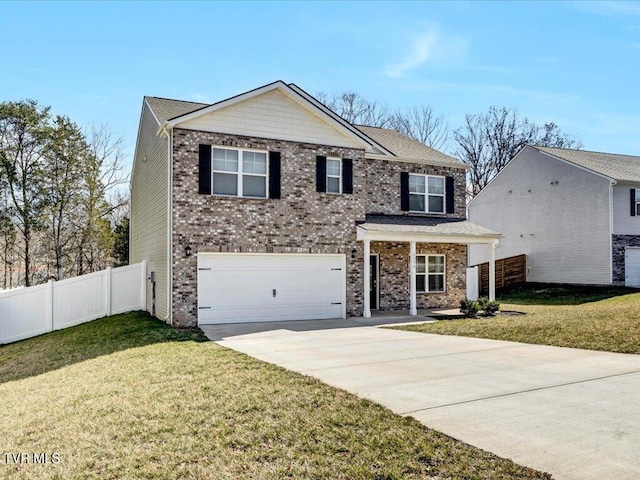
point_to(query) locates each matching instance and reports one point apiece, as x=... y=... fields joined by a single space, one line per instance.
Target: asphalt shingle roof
x=165 y=108
x=400 y=145
x=426 y=225
x=408 y=148
x=624 y=168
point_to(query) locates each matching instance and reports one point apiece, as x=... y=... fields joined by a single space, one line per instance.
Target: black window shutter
x=404 y=191
x=347 y=175
x=321 y=174
x=633 y=202
x=204 y=170
x=451 y=199
x=274 y=174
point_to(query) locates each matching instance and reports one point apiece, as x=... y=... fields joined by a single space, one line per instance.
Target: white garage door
x=632 y=267
x=245 y=287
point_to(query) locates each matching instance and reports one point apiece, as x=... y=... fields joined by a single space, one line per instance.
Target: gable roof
x=408 y=148
x=165 y=108
x=388 y=143
x=624 y=168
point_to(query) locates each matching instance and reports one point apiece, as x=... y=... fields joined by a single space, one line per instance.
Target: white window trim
x=637 y=202
x=426 y=273
x=426 y=193
x=239 y=174
x=339 y=176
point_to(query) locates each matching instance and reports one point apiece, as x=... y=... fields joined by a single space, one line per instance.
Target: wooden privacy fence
x=32 y=311
x=509 y=271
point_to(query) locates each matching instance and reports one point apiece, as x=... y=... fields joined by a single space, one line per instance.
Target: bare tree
x=487 y=142
x=423 y=125
x=356 y=109
x=103 y=173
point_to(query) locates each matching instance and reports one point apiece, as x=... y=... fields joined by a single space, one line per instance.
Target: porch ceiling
x=404 y=228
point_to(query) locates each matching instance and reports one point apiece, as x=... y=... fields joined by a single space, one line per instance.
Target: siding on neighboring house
x=623 y=222
x=555 y=213
x=271 y=115
x=149 y=205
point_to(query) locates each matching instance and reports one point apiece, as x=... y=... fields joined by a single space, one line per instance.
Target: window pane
x=254 y=162
x=254 y=186
x=416 y=184
x=333 y=167
x=420 y=265
x=416 y=203
x=420 y=283
x=436 y=264
x=436 y=283
x=225 y=184
x=225 y=160
x=436 y=204
x=333 y=185
x=436 y=185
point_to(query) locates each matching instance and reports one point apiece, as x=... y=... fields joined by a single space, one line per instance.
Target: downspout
x=169 y=318
x=611 y=184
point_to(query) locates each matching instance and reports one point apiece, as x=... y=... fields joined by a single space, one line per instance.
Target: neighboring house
x=574 y=213
x=269 y=206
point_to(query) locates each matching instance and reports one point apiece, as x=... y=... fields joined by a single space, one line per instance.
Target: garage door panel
x=235 y=288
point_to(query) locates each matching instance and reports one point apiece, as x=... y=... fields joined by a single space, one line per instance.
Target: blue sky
x=574 y=63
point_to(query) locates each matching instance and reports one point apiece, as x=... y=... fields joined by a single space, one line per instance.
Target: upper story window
x=334 y=175
x=430 y=273
x=637 y=202
x=239 y=173
x=426 y=193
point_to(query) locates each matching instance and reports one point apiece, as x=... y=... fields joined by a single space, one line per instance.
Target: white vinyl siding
x=149 y=209
x=623 y=222
x=555 y=213
x=271 y=115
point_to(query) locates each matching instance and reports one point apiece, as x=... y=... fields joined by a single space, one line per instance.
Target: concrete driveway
x=573 y=413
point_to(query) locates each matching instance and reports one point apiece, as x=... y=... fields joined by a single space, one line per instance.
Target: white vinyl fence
x=32 y=311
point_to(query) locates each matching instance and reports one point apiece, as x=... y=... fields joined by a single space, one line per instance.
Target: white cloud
x=422 y=49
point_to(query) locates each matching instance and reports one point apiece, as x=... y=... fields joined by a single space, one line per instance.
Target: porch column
x=412 y=279
x=367 y=284
x=492 y=271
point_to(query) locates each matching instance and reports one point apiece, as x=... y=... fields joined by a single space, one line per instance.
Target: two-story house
x=269 y=206
x=574 y=213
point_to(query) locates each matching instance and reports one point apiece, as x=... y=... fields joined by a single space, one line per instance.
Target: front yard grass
x=128 y=397
x=579 y=317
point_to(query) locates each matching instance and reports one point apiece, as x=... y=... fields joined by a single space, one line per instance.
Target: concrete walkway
x=573 y=413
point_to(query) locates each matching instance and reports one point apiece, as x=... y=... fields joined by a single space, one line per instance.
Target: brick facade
x=383 y=194
x=619 y=242
x=302 y=221
x=394 y=275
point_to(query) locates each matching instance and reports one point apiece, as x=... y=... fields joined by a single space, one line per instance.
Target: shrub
x=488 y=307
x=469 y=308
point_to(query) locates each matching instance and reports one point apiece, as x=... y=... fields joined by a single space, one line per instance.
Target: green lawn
x=580 y=317
x=127 y=397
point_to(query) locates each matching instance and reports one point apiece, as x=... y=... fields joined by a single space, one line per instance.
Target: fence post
x=108 y=290
x=143 y=286
x=50 y=304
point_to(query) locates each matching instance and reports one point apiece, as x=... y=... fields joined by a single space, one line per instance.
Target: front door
x=374 y=277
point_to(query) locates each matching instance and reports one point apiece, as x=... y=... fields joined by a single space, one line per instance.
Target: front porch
x=413 y=263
